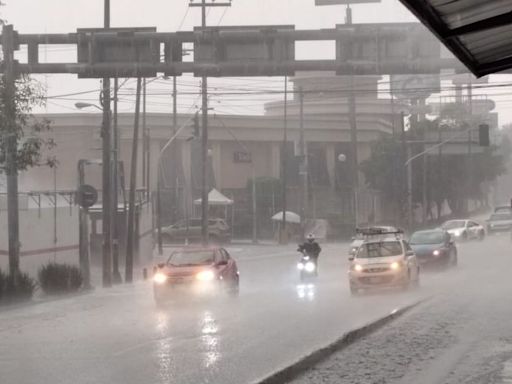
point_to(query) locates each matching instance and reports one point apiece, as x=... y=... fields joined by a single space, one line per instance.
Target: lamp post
x=116 y=275
x=160 y=174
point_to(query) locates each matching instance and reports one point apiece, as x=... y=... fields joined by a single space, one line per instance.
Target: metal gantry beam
x=383 y=37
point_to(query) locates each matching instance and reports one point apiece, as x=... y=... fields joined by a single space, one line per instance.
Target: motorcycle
x=307 y=267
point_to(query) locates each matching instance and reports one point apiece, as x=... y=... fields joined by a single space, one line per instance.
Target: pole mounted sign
x=86 y=196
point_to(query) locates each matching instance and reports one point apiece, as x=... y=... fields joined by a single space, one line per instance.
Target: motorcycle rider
x=311 y=248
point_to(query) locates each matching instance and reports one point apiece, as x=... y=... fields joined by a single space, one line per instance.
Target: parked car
x=383 y=263
x=499 y=222
x=196 y=271
x=503 y=209
x=464 y=229
x=218 y=231
x=434 y=247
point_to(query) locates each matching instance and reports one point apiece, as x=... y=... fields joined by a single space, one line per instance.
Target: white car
x=363 y=234
x=464 y=229
x=383 y=263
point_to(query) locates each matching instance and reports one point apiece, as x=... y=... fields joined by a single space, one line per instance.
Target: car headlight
x=205 y=276
x=395 y=266
x=159 y=278
x=300 y=266
x=457 y=233
x=309 y=267
x=437 y=252
x=358 y=268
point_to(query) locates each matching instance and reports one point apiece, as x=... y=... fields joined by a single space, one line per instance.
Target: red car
x=196 y=270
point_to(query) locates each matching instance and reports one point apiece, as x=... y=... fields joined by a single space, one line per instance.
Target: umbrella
x=290 y=217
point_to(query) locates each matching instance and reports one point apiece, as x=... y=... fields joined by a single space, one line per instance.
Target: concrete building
x=327 y=134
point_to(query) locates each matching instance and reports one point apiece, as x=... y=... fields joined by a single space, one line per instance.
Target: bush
x=12 y=290
x=57 y=278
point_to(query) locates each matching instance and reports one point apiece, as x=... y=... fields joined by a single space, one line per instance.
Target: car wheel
x=453 y=258
x=417 y=281
x=234 y=287
x=407 y=284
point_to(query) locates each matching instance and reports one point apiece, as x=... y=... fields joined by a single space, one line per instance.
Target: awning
x=215 y=198
x=478 y=32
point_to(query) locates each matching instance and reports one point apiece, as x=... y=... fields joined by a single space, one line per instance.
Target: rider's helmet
x=311 y=237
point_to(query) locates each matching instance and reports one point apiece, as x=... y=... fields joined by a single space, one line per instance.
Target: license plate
x=375 y=280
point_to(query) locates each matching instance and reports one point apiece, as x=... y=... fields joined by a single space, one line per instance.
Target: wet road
x=462 y=334
x=119 y=335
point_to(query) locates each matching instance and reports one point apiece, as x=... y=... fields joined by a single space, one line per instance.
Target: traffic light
x=483 y=135
x=196 y=125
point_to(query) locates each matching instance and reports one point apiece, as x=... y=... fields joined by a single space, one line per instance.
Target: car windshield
x=452 y=224
x=501 y=216
x=379 y=249
x=182 y=258
x=431 y=237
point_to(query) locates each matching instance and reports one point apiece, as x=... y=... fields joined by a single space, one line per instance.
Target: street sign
x=414 y=86
x=216 y=45
x=337 y=2
x=86 y=196
x=388 y=43
x=94 y=49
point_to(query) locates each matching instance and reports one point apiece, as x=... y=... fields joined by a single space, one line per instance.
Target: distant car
x=434 y=248
x=503 y=209
x=196 y=270
x=383 y=263
x=218 y=231
x=363 y=234
x=499 y=222
x=464 y=229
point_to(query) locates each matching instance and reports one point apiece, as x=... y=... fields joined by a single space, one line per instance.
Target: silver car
x=383 y=263
x=464 y=229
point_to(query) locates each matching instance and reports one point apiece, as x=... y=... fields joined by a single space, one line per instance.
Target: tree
x=22 y=142
x=33 y=144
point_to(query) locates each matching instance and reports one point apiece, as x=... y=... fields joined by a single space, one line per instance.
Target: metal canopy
x=478 y=32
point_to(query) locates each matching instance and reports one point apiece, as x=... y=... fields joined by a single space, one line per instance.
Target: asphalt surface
x=462 y=334
x=119 y=335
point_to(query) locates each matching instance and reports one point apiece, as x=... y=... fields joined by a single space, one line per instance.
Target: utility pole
x=204 y=137
x=353 y=131
x=470 y=148
x=107 y=178
x=11 y=149
x=116 y=275
x=304 y=165
x=133 y=185
x=282 y=236
x=406 y=177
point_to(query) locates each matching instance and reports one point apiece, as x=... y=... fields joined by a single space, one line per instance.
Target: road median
x=290 y=372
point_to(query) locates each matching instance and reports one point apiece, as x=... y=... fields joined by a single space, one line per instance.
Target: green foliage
x=17 y=289
x=451 y=178
x=57 y=278
x=31 y=134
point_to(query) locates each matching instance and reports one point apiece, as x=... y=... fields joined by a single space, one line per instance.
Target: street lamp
x=81 y=105
x=158 y=182
x=116 y=275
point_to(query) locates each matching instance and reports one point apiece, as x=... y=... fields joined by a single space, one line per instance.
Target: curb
x=291 y=372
